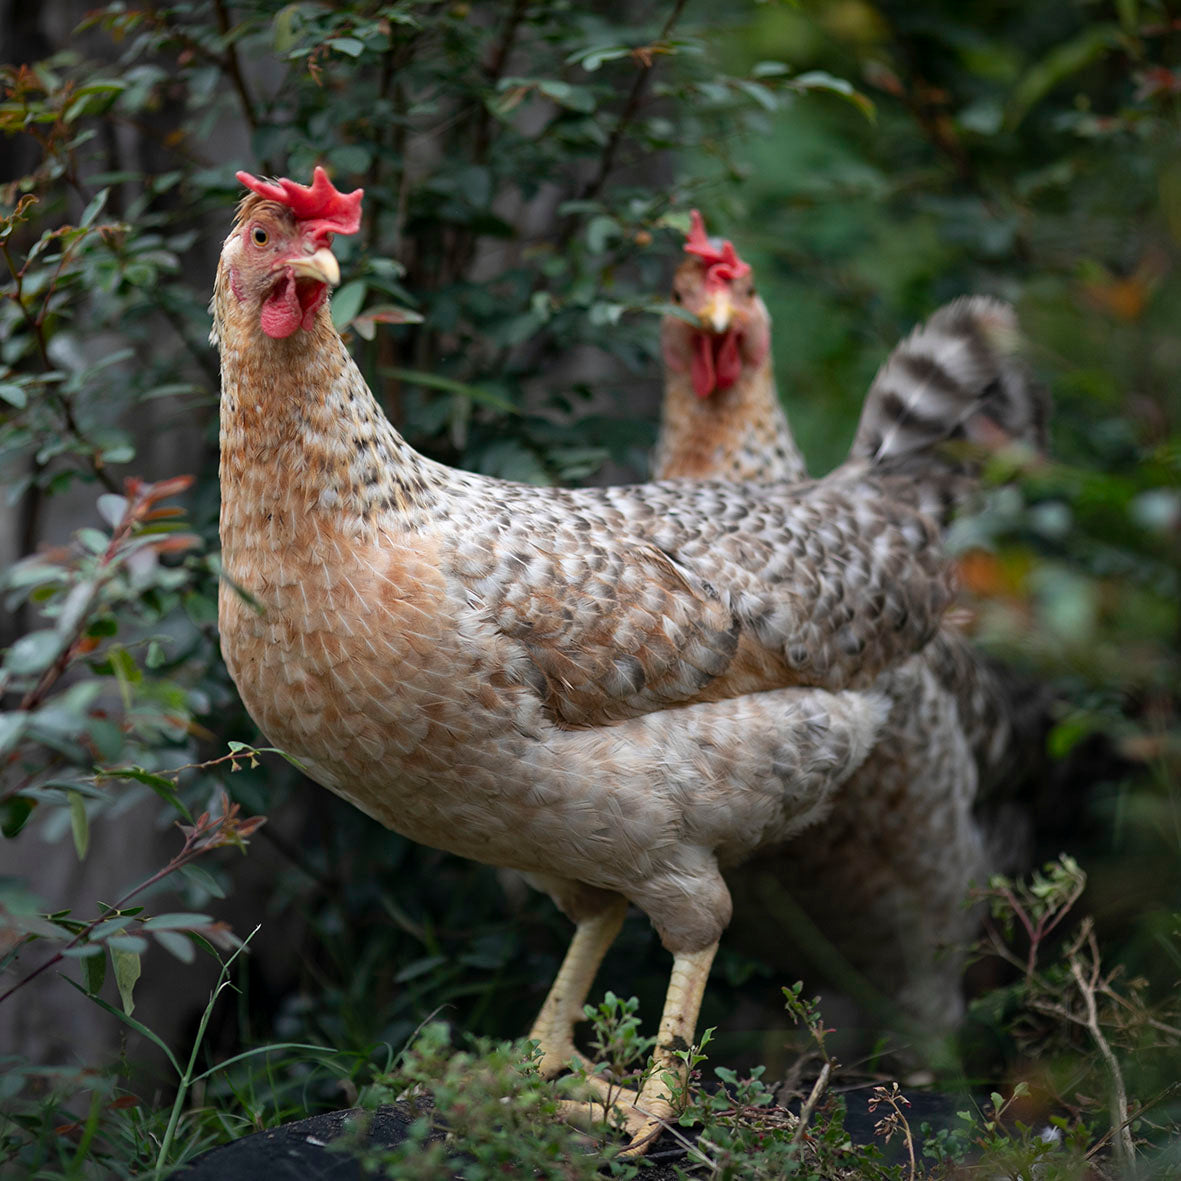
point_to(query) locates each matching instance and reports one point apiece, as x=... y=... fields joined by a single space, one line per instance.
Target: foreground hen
x=616 y=691
x=885 y=876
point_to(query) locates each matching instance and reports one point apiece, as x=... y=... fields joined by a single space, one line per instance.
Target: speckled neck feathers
x=299 y=422
x=740 y=433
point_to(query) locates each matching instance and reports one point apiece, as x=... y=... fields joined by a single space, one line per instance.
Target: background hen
x=886 y=876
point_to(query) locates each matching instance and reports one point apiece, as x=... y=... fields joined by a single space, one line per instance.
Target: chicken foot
x=562 y=1008
x=644 y=1114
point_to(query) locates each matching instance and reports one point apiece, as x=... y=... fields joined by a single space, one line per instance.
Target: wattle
x=291 y=305
x=716 y=363
x=281 y=310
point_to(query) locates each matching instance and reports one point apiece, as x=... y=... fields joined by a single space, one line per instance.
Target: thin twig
x=1125 y=1147
x=818 y=1089
x=630 y=107
x=232 y=67
x=493 y=74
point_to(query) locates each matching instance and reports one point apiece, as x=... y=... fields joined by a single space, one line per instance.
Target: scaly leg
x=645 y=1114
x=562 y=1009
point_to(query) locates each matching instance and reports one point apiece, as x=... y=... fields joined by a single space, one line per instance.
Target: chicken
x=885 y=876
x=615 y=691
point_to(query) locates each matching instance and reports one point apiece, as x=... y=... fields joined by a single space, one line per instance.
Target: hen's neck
x=740 y=433
x=301 y=433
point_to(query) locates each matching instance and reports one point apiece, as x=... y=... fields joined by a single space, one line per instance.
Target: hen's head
x=733 y=332
x=277 y=261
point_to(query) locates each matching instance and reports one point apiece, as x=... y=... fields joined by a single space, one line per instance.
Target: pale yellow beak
x=321 y=266
x=718 y=310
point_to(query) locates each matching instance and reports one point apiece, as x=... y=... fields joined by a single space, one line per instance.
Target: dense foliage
x=528 y=169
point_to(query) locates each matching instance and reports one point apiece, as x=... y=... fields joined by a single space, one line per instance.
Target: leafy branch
x=137 y=509
x=210 y=831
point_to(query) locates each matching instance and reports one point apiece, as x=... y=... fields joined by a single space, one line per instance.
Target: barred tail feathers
x=958 y=376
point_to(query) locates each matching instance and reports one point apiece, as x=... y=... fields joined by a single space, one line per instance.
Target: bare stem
x=233 y=68
x=630 y=107
x=1125 y=1148
x=818 y=1089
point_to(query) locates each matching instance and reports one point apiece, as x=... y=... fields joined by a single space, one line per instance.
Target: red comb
x=722 y=264
x=326 y=210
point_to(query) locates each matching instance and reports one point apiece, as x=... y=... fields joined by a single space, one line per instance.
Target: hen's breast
x=359 y=661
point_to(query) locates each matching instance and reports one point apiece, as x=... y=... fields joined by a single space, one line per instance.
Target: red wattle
x=281 y=312
x=703 y=365
x=727 y=362
x=717 y=363
x=310 y=303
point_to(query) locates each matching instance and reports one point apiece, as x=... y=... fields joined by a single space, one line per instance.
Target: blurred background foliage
x=528 y=169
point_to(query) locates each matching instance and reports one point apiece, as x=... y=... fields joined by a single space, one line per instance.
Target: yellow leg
x=646 y=1113
x=562 y=1009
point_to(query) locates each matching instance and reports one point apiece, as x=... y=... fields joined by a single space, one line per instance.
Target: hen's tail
x=957 y=378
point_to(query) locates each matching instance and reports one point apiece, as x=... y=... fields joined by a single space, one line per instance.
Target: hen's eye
x=260 y=236
x=676 y=297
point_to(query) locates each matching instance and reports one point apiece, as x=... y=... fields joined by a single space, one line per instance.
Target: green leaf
x=110 y=927
x=163 y=787
x=127 y=970
x=347 y=45
x=94 y=972
x=419 y=968
x=177 y=921
x=119 y=453
x=14 y=812
x=111 y=508
x=79 y=824
x=284 y=29
x=346 y=303
x=822 y=80
x=592 y=59
x=365 y=325
x=95 y=207
x=95 y=540
x=135 y=944
x=202 y=880
x=14 y=394
x=124 y=667
x=350 y=158
x=573 y=98
x=435 y=382
x=599 y=231
x=33 y=653
x=12 y=725
x=177 y=944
